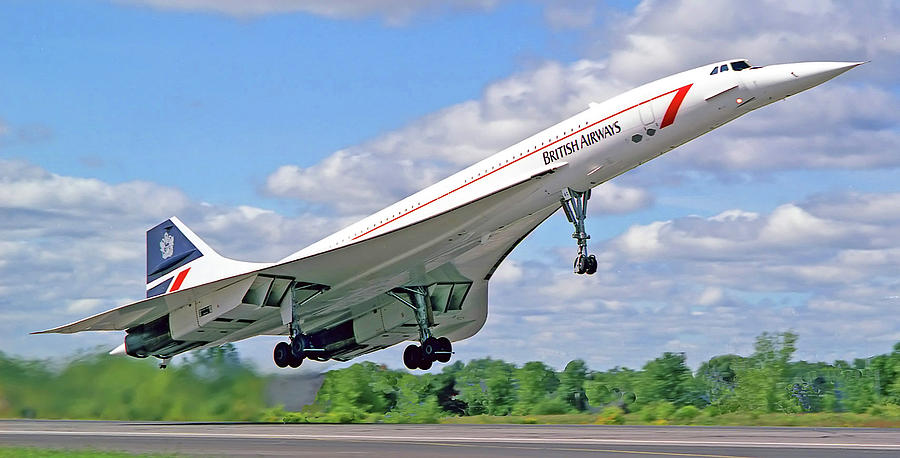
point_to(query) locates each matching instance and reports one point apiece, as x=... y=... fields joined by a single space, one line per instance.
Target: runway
x=251 y=439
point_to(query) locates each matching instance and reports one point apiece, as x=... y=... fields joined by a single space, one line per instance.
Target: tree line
x=765 y=382
x=215 y=384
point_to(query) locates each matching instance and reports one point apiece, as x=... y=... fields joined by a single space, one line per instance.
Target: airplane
x=419 y=269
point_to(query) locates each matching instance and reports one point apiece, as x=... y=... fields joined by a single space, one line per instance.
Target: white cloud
x=509 y=271
x=398 y=163
x=835 y=126
x=86 y=305
x=697 y=282
x=790 y=224
x=659 y=289
x=710 y=296
x=665 y=36
x=570 y=14
x=73 y=246
x=393 y=11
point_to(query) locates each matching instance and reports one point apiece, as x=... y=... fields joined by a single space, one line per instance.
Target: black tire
x=429 y=347
x=411 y=357
x=297 y=348
x=295 y=362
x=425 y=364
x=445 y=348
x=580 y=264
x=591 y=265
x=282 y=354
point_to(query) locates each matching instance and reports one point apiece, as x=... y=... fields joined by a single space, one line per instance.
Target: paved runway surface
x=237 y=439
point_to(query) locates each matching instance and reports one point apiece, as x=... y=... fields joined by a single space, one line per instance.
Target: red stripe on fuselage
x=179 y=280
x=669 y=116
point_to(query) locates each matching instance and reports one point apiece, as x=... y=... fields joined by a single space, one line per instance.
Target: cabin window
x=740 y=65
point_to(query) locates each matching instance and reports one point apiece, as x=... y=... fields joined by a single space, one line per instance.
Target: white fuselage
x=595 y=145
x=455 y=232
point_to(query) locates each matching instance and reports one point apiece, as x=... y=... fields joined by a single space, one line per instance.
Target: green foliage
x=685 y=414
x=551 y=406
x=667 y=378
x=416 y=403
x=761 y=380
x=115 y=388
x=536 y=381
x=717 y=378
x=611 y=416
x=764 y=388
x=659 y=410
x=571 y=384
x=487 y=387
x=615 y=386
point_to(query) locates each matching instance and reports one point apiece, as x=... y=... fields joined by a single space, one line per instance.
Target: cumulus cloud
x=666 y=36
x=393 y=11
x=570 y=14
x=838 y=125
x=72 y=246
x=707 y=285
x=398 y=163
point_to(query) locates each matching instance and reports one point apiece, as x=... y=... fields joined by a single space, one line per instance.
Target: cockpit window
x=715 y=70
x=740 y=65
x=723 y=68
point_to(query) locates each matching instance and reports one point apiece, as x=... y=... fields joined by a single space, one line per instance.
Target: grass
x=563 y=419
x=730 y=419
x=33 y=452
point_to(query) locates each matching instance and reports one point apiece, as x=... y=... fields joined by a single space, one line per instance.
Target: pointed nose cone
x=776 y=82
x=811 y=74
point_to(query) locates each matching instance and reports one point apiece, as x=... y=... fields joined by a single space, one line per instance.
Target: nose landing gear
x=574 y=204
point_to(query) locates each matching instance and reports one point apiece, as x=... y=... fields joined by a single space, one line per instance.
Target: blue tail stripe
x=168 y=249
x=159 y=289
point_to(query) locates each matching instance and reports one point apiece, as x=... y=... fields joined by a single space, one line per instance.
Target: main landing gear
x=574 y=204
x=422 y=357
x=284 y=356
x=431 y=349
x=292 y=354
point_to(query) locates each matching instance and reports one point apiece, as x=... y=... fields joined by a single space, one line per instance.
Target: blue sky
x=268 y=127
x=120 y=87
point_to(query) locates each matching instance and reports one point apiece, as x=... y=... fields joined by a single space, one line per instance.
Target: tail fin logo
x=168 y=248
x=167 y=245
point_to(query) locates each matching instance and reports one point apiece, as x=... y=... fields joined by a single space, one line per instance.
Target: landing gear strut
x=432 y=349
x=574 y=204
x=292 y=354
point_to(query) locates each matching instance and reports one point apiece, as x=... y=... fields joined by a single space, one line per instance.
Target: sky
x=268 y=125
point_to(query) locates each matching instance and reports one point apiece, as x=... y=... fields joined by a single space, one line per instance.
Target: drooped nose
x=775 y=82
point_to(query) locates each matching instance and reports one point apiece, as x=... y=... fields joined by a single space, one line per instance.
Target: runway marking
x=572 y=440
x=598 y=450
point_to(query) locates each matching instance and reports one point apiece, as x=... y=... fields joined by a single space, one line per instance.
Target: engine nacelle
x=155 y=338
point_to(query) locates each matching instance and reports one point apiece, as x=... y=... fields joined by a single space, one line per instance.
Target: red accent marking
x=179 y=280
x=670 y=116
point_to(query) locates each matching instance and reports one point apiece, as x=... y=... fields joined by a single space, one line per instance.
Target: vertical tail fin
x=171 y=245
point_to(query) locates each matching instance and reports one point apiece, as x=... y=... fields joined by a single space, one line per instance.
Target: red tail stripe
x=179 y=280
